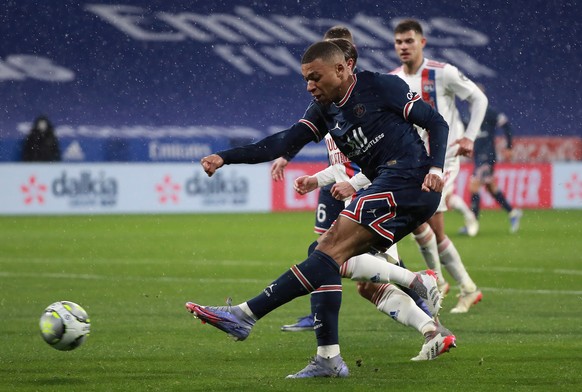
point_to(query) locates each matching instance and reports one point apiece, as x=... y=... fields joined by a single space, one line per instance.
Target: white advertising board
x=132 y=188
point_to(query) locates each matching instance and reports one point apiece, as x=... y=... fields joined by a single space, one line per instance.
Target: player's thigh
x=345 y=239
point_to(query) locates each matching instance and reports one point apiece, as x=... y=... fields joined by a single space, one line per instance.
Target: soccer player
x=388 y=298
x=328 y=207
x=370 y=118
x=484 y=156
x=440 y=84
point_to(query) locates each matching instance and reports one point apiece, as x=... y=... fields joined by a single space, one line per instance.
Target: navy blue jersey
x=484 y=147
x=372 y=125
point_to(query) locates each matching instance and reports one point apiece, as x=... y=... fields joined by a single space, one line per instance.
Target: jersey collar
x=348 y=93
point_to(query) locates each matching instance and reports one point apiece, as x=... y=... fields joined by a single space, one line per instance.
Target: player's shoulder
x=370 y=77
x=433 y=64
x=395 y=71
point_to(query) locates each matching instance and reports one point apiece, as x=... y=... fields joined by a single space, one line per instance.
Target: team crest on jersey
x=359 y=110
x=428 y=86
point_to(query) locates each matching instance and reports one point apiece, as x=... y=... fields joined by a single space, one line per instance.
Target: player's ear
x=339 y=69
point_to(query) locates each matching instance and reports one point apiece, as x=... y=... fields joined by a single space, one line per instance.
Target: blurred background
x=137 y=93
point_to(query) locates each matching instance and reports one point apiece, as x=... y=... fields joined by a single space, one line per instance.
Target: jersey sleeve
x=461 y=86
x=397 y=95
x=503 y=123
x=311 y=127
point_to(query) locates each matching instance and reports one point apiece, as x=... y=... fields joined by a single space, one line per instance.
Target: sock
x=311 y=248
x=456 y=202
x=328 y=351
x=375 y=269
x=428 y=248
x=476 y=204
x=452 y=261
x=396 y=304
x=317 y=270
x=499 y=198
x=325 y=307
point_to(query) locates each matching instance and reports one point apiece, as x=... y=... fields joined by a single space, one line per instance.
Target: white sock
x=456 y=202
x=370 y=268
x=392 y=301
x=428 y=248
x=328 y=351
x=452 y=261
x=245 y=308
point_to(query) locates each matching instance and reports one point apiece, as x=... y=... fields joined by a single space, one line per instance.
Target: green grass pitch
x=133 y=275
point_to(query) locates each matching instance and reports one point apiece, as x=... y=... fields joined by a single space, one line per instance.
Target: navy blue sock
x=311 y=248
x=499 y=198
x=325 y=307
x=475 y=204
x=317 y=270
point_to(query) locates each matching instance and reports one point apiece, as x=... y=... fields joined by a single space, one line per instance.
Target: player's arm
x=466 y=89
x=310 y=128
x=503 y=123
x=359 y=181
x=306 y=184
x=422 y=114
x=398 y=97
x=265 y=150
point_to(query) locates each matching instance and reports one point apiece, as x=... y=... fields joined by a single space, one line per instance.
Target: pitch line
x=173 y=279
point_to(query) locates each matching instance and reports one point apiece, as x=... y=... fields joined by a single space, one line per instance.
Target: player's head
x=409 y=41
x=324 y=68
x=339 y=32
x=350 y=51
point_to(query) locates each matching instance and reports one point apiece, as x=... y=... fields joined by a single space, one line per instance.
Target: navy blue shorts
x=394 y=205
x=328 y=209
x=484 y=172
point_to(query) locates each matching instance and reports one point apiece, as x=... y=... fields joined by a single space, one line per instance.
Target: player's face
x=409 y=46
x=323 y=80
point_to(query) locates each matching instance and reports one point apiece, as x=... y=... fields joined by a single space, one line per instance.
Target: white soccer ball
x=64 y=325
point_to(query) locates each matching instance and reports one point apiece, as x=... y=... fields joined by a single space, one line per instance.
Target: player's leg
x=392 y=301
x=427 y=245
x=515 y=214
x=451 y=260
x=481 y=175
x=457 y=203
x=327 y=211
x=367 y=267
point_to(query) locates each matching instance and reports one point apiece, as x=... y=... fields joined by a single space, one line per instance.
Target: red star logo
x=168 y=190
x=574 y=187
x=33 y=191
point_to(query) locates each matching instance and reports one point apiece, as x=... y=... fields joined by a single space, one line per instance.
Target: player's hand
x=507 y=154
x=278 y=169
x=211 y=164
x=342 y=190
x=305 y=184
x=465 y=147
x=433 y=182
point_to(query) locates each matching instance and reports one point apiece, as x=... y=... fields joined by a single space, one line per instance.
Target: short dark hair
x=350 y=51
x=324 y=50
x=407 y=25
x=339 y=31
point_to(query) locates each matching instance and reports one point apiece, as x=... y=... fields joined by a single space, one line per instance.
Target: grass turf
x=133 y=274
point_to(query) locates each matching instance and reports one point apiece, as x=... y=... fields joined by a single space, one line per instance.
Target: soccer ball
x=64 y=325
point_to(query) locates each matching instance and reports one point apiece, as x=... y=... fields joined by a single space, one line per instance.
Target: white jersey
x=439 y=84
x=340 y=169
